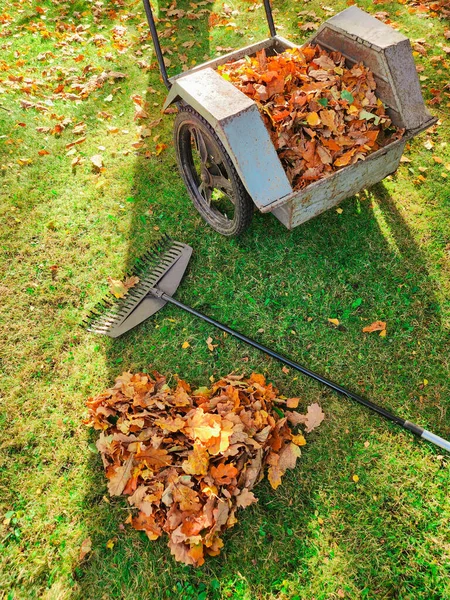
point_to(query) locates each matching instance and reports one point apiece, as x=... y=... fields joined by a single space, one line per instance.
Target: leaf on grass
x=159 y=148
x=311 y=420
x=85 y=548
x=210 y=345
x=245 y=498
x=375 y=326
x=334 y=321
x=97 y=161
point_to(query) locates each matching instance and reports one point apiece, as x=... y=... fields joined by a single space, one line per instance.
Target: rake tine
x=150 y=267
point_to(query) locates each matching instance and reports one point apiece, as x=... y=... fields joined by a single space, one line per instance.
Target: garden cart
x=224 y=151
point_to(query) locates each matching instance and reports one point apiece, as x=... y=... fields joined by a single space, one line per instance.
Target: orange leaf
x=343 y=160
x=375 y=326
x=223 y=473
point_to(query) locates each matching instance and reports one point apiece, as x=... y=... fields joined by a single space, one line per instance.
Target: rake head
x=160 y=269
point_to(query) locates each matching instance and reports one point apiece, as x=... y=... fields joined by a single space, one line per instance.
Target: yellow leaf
x=197 y=462
x=334 y=321
x=110 y=543
x=425 y=382
x=298 y=440
x=313 y=119
x=159 y=148
x=185 y=345
x=320 y=520
x=210 y=345
x=383 y=333
x=339 y=211
x=355 y=478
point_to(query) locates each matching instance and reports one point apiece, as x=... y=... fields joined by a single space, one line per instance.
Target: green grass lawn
x=65 y=229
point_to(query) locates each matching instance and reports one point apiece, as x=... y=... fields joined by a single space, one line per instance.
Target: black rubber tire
x=196 y=141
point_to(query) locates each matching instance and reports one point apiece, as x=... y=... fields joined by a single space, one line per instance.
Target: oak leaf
x=120 y=477
x=197 y=462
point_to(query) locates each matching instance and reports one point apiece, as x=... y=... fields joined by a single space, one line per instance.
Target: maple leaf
x=245 y=498
x=120 y=288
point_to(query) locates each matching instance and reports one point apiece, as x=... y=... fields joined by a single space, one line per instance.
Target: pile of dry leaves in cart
x=321 y=115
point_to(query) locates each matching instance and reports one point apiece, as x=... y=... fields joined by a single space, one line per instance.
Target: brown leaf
x=312 y=419
x=245 y=498
x=85 y=548
x=120 y=478
x=224 y=473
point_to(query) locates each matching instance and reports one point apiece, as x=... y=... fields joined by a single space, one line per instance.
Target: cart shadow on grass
x=367 y=252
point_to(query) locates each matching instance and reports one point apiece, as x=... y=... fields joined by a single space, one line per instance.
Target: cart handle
x=157 y=45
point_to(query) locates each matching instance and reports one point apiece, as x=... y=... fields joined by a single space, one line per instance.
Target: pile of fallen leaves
x=187 y=460
x=320 y=114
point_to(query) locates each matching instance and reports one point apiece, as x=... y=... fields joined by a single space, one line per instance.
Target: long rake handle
x=418 y=431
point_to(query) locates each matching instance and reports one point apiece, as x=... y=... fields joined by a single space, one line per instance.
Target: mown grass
x=320 y=535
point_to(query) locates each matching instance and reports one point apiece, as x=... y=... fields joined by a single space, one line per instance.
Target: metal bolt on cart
x=224 y=151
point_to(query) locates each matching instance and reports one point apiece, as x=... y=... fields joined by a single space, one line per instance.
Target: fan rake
x=160 y=271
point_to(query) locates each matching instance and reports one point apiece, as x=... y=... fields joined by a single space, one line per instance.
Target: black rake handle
x=412 y=427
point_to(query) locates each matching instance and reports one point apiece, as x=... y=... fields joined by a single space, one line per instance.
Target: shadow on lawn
x=366 y=253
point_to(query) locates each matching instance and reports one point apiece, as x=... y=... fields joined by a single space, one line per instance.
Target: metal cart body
x=239 y=126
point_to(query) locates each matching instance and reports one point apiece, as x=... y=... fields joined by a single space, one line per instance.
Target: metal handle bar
x=157 y=45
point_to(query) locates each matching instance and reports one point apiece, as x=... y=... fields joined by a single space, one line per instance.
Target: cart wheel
x=210 y=177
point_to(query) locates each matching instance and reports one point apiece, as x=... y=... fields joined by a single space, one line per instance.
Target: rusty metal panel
x=326 y=193
x=240 y=127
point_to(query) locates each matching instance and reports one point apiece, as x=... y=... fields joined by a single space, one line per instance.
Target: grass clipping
x=187 y=460
x=321 y=115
